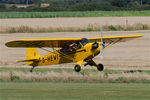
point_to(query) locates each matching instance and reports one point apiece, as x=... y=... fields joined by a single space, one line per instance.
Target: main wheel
x=100 y=67
x=77 y=68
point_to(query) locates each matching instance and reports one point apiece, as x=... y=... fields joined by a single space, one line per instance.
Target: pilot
x=73 y=46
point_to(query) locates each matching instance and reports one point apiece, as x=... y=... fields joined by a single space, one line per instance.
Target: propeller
x=101 y=47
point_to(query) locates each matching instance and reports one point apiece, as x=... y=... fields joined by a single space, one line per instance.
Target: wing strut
x=112 y=43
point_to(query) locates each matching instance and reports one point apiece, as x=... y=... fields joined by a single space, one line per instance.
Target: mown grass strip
x=73 y=91
x=73 y=14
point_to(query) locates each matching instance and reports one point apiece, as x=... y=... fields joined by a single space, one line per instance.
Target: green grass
x=73 y=91
x=73 y=14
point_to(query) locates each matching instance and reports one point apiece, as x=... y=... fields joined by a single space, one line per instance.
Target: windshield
x=84 y=41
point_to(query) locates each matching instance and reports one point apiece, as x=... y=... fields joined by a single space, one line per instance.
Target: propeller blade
x=101 y=50
x=102 y=47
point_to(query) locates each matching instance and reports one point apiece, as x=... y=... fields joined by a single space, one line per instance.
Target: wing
x=58 y=43
x=55 y=43
x=113 y=39
x=109 y=41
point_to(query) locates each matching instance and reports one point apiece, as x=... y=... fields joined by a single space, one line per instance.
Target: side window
x=64 y=49
x=71 y=47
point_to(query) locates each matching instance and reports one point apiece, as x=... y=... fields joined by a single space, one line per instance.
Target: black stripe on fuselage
x=49 y=58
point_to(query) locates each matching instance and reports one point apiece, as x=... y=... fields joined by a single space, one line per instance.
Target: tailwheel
x=100 y=67
x=77 y=68
x=32 y=69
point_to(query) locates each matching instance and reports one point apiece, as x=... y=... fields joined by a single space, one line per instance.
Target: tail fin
x=32 y=56
x=32 y=53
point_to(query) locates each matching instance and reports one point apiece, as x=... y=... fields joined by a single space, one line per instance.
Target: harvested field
x=131 y=54
x=45 y=25
x=89 y=28
x=73 y=22
x=134 y=53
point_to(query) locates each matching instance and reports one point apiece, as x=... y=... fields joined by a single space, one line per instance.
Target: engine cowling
x=95 y=45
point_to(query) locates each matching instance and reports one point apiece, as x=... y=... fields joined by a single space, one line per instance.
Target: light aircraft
x=70 y=50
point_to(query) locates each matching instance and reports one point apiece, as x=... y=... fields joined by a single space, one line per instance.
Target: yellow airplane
x=76 y=50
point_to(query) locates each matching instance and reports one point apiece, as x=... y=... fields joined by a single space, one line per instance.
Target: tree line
x=76 y=5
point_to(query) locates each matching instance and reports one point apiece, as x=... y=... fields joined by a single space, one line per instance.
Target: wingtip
x=139 y=35
x=12 y=44
x=142 y=35
x=8 y=44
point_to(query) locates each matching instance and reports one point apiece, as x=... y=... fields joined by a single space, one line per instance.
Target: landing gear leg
x=100 y=67
x=77 y=68
x=32 y=69
x=90 y=62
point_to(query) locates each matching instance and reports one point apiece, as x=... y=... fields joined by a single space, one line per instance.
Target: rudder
x=32 y=53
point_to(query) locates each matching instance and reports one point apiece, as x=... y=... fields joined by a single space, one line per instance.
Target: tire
x=31 y=71
x=100 y=67
x=77 y=68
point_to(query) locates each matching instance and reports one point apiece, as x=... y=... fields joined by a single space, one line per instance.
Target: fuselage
x=59 y=57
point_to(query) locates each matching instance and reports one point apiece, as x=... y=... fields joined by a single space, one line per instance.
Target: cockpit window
x=84 y=41
x=71 y=47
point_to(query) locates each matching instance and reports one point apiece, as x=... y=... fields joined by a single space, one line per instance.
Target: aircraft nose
x=95 y=45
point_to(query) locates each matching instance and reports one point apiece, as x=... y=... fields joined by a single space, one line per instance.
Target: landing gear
x=100 y=67
x=90 y=62
x=32 y=69
x=77 y=68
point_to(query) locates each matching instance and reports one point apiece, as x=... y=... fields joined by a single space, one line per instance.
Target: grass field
x=73 y=91
x=72 y=14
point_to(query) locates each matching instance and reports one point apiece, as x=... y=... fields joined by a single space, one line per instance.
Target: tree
x=2 y=6
x=133 y=4
x=120 y=3
x=92 y=6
